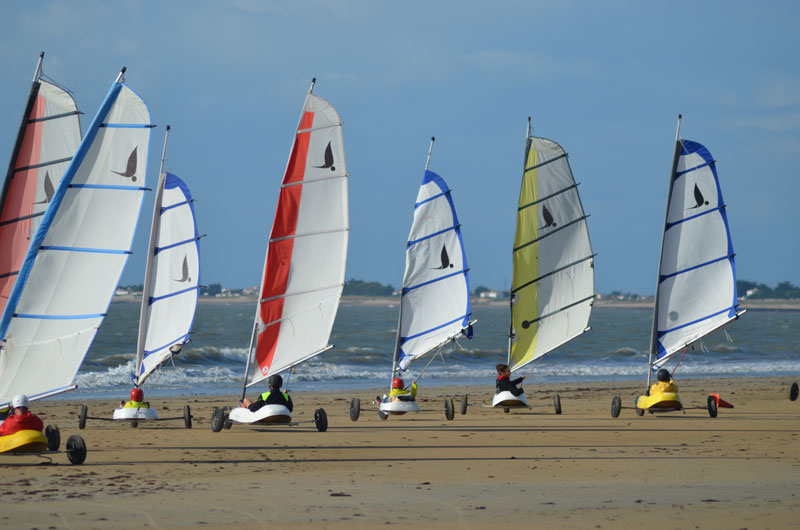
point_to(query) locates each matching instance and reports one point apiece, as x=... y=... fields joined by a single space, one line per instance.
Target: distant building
x=121 y=292
x=493 y=294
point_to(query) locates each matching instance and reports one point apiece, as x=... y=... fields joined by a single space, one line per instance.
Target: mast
x=654 y=331
x=148 y=271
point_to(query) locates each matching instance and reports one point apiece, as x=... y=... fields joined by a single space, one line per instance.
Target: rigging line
x=679 y=174
x=320 y=127
x=559 y=192
x=567 y=266
x=311 y=181
x=295 y=293
x=695 y=216
x=526 y=323
x=545 y=163
x=679 y=361
x=440 y=232
x=438 y=351
x=55 y=116
x=537 y=363
x=408 y=289
x=665 y=277
x=551 y=232
x=23 y=218
x=293 y=236
x=43 y=164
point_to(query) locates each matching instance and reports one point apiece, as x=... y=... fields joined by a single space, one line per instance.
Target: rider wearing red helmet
x=137 y=400
x=399 y=392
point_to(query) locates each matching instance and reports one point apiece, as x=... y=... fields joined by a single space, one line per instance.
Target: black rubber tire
x=134 y=424
x=76 y=450
x=216 y=420
x=557 y=403
x=464 y=404
x=382 y=415
x=53 y=436
x=321 y=420
x=449 y=409
x=82 y=417
x=639 y=412
x=355 y=409
x=226 y=423
x=712 y=407
x=506 y=410
x=616 y=406
x=793 y=391
x=187 y=417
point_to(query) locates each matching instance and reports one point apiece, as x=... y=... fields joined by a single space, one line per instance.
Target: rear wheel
x=449 y=409
x=76 y=450
x=639 y=412
x=382 y=415
x=793 y=391
x=464 y=404
x=712 y=407
x=226 y=422
x=82 y=417
x=53 y=436
x=557 y=403
x=216 y=420
x=134 y=424
x=321 y=420
x=187 y=417
x=506 y=409
x=355 y=409
x=616 y=405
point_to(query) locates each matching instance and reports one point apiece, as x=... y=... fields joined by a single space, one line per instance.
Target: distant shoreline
x=750 y=305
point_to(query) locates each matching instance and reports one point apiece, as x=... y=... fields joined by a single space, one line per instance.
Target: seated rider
x=137 y=400
x=20 y=418
x=504 y=382
x=399 y=392
x=273 y=397
x=664 y=384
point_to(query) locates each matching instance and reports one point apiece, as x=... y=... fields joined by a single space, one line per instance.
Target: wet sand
x=580 y=469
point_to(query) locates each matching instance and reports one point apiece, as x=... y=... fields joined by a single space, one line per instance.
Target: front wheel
x=187 y=417
x=76 y=450
x=355 y=409
x=382 y=415
x=639 y=412
x=449 y=409
x=616 y=406
x=793 y=391
x=557 y=403
x=321 y=420
x=226 y=422
x=712 y=407
x=216 y=420
x=53 y=436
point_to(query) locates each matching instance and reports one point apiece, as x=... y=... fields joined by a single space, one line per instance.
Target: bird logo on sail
x=185 y=272
x=698 y=198
x=130 y=169
x=445 y=260
x=548 y=217
x=49 y=190
x=328 y=159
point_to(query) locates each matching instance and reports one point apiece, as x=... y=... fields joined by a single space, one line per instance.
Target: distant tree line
x=760 y=290
x=354 y=287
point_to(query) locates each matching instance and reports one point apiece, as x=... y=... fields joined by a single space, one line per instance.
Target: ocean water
x=760 y=343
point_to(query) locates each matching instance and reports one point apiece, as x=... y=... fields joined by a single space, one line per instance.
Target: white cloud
x=778 y=123
x=778 y=91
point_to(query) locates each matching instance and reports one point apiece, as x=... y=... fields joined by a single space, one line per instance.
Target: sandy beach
x=580 y=469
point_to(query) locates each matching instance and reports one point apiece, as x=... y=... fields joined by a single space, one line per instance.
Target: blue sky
x=604 y=79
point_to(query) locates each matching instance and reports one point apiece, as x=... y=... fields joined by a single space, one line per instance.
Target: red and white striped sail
x=48 y=137
x=305 y=262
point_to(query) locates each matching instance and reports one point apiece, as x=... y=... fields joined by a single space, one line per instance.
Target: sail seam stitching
x=312 y=129
x=310 y=181
x=293 y=236
x=295 y=293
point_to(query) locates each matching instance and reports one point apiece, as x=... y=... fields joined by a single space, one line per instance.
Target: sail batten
x=552 y=246
x=435 y=306
x=304 y=265
x=696 y=292
x=66 y=292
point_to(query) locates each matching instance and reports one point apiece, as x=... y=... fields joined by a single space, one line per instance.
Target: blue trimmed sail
x=697 y=274
x=78 y=253
x=435 y=305
x=172 y=278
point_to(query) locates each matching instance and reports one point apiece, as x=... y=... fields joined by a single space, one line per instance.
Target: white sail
x=696 y=277
x=78 y=252
x=172 y=278
x=435 y=305
x=48 y=137
x=553 y=283
x=305 y=263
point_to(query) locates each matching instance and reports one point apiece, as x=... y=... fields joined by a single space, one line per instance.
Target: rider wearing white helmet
x=20 y=418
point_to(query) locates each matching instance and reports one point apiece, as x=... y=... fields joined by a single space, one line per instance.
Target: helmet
x=663 y=375
x=275 y=380
x=137 y=394
x=398 y=383
x=20 y=400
